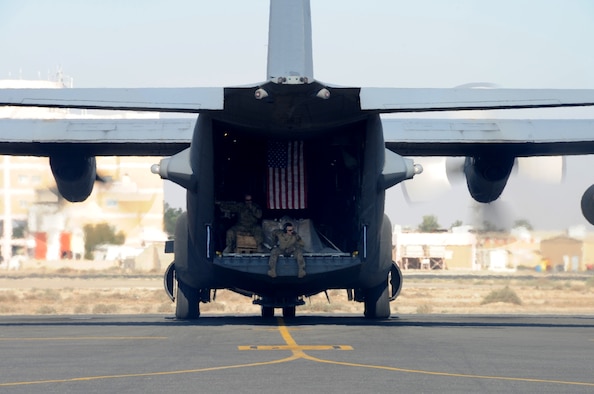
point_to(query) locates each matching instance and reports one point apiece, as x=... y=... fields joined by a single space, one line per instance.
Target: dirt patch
x=116 y=293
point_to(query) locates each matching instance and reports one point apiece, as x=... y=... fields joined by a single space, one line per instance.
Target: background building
x=129 y=197
x=442 y=250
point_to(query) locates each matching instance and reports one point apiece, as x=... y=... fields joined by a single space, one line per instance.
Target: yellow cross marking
x=288 y=347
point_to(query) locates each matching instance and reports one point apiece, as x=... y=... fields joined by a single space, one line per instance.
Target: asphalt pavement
x=307 y=354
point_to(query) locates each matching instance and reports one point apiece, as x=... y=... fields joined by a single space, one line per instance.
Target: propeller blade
x=431 y=182
x=439 y=174
x=546 y=169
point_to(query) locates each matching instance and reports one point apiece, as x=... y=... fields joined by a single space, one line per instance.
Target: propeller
x=442 y=174
x=545 y=169
x=439 y=175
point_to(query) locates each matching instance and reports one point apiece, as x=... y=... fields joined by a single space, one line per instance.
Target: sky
x=383 y=43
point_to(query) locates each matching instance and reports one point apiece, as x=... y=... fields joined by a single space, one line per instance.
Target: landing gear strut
x=288 y=304
x=187 y=303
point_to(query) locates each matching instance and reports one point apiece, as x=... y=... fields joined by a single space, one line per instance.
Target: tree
x=19 y=230
x=523 y=223
x=100 y=234
x=457 y=223
x=170 y=216
x=429 y=224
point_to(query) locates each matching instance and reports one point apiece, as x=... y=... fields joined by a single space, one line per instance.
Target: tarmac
x=313 y=353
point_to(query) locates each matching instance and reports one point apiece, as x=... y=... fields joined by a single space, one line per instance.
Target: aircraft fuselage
x=343 y=156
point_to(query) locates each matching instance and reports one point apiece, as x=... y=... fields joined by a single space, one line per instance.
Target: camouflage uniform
x=286 y=244
x=247 y=222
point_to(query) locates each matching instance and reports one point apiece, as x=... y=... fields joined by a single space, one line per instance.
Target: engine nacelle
x=588 y=204
x=487 y=175
x=75 y=175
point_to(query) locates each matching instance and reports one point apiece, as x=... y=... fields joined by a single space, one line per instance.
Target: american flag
x=286 y=175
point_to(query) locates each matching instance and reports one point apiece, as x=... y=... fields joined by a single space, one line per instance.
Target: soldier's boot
x=272 y=270
x=230 y=243
x=301 y=272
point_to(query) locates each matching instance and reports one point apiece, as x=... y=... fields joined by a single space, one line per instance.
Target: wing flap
x=100 y=137
x=457 y=137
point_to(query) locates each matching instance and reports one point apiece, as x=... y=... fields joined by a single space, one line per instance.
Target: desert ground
x=43 y=290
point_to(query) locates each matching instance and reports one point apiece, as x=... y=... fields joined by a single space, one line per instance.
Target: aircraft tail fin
x=289 y=42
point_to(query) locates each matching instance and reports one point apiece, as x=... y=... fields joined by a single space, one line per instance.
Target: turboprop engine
x=588 y=204
x=486 y=176
x=75 y=175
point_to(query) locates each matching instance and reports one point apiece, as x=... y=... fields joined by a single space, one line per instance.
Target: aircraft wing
x=468 y=137
x=98 y=137
x=184 y=100
x=390 y=100
x=471 y=137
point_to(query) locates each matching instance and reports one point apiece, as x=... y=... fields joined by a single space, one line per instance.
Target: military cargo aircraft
x=310 y=153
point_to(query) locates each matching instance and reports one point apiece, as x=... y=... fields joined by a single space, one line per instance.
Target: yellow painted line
x=287 y=347
x=300 y=354
x=457 y=375
x=79 y=338
x=284 y=331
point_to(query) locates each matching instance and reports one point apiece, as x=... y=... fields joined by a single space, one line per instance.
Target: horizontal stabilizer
x=386 y=100
x=185 y=100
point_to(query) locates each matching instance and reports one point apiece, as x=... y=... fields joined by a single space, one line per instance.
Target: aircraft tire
x=395 y=281
x=377 y=301
x=267 y=311
x=289 y=312
x=187 y=306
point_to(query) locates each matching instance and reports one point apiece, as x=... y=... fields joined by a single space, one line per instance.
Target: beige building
x=445 y=250
x=563 y=253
